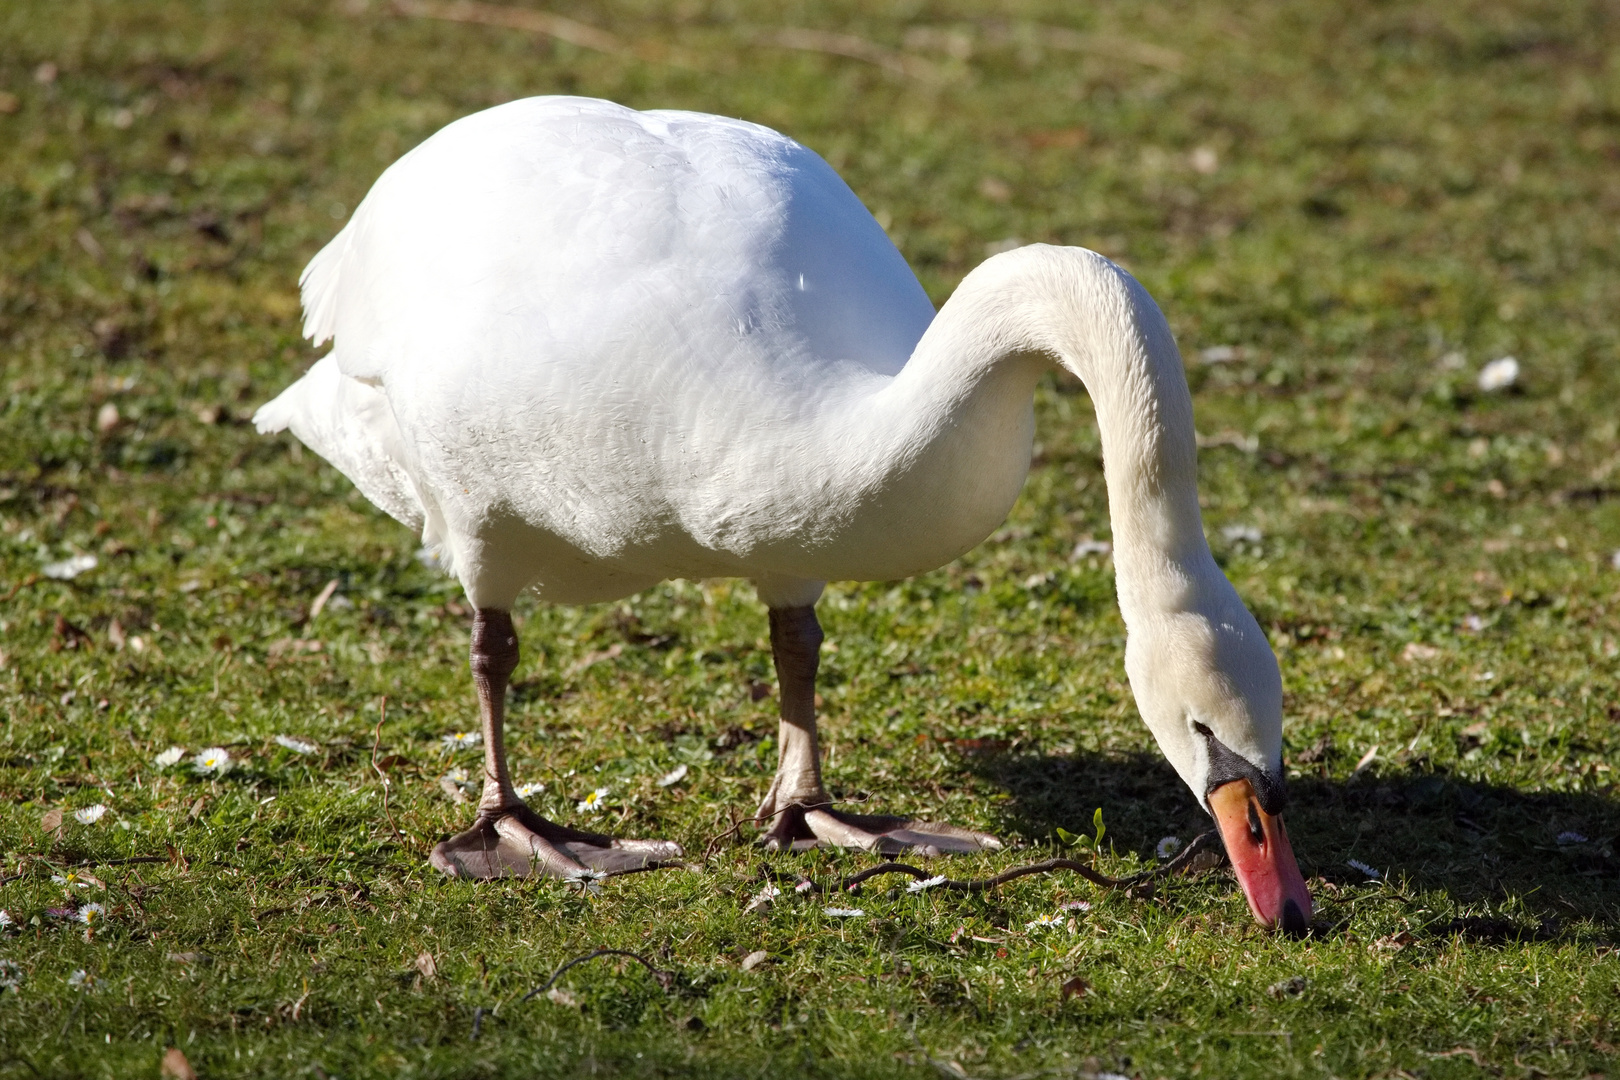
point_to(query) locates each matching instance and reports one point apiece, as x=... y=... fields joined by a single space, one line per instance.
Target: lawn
x=1345 y=210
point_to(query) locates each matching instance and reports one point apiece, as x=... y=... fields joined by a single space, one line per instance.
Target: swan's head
x=1207 y=684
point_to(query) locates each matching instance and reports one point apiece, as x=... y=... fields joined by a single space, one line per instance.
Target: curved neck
x=1016 y=313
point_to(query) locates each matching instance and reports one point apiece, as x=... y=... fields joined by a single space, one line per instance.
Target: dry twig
x=664 y=978
x=1200 y=845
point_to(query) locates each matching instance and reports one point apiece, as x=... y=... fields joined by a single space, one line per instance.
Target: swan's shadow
x=1481 y=844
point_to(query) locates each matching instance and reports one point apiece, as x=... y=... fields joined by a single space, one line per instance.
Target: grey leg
x=803 y=813
x=507 y=839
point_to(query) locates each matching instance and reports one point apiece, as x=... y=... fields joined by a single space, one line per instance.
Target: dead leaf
x=197 y=807
x=283 y=646
x=1292 y=987
x=190 y=958
x=1394 y=942
x=562 y=997
x=1075 y=988
x=452 y=789
x=51 y=822
x=175 y=1066
x=1416 y=650
x=426 y=965
x=754 y=959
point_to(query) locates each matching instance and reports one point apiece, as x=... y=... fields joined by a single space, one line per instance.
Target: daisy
x=212 y=761
x=6 y=922
x=1571 y=837
x=171 y=756
x=89 y=913
x=1075 y=905
x=1357 y=864
x=926 y=883
x=1499 y=374
x=81 y=980
x=673 y=777
x=457 y=740
x=1044 y=922
x=1168 y=847
x=589 y=882
x=297 y=746
x=593 y=803
x=528 y=791
x=70 y=880
x=845 y=913
x=89 y=815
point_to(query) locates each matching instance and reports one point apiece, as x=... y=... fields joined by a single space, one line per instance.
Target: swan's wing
x=613 y=326
x=351 y=425
x=552 y=225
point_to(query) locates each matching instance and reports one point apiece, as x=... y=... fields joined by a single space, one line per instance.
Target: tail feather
x=350 y=424
x=319 y=287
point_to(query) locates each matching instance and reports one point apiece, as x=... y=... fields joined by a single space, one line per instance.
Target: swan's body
x=585 y=349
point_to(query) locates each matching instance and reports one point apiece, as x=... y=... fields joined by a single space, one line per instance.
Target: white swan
x=584 y=349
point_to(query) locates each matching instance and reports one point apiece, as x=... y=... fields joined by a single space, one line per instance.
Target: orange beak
x=1258 y=846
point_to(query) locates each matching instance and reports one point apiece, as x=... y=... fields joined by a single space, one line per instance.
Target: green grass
x=1368 y=201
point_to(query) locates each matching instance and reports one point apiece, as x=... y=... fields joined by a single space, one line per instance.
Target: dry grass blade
x=534 y=22
x=376 y=744
x=850 y=46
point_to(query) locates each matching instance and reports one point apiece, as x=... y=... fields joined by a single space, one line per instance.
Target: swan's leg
x=802 y=810
x=507 y=839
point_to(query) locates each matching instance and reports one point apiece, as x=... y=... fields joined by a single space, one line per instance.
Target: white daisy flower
x=68 y=568
x=1499 y=374
x=804 y=886
x=588 y=882
x=1044 y=922
x=297 y=746
x=1075 y=905
x=171 y=756
x=459 y=740
x=762 y=899
x=674 y=776
x=80 y=980
x=1168 y=847
x=526 y=791
x=1248 y=534
x=70 y=880
x=1571 y=837
x=6 y=922
x=845 y=913
x=89 y=815
x=213 y=761
x=1357 y=864
x=925 y=883
x=593 y=803
x=89 y=914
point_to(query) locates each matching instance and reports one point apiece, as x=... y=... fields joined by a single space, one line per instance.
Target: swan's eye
x=1257 y=833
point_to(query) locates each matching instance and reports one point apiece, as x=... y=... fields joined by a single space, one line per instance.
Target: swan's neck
x=974 y=372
